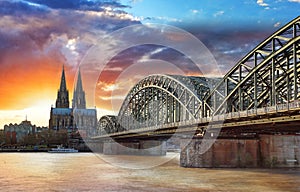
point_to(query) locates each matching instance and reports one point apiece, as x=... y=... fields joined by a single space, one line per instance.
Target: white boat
x=60 y=149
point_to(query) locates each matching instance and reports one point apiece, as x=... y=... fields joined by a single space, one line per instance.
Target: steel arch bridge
x=267 y=76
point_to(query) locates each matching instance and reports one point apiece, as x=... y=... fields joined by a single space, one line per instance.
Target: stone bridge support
x=139 y=147
x=262 y=151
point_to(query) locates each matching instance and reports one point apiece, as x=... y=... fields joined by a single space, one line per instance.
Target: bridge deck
x=278 y=114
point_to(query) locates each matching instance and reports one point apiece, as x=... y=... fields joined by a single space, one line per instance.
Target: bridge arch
x=266 y=76
x=107 y=124
x=163 y=99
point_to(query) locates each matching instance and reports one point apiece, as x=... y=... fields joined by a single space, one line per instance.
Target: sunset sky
x=38 y=37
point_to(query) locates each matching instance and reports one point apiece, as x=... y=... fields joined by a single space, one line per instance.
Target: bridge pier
x=262 y=151
x=96 y=146
x=280 y=150
x=140 y=147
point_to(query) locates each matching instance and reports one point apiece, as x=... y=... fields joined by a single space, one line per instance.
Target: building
x=78 y=117
x=2 y=137
x=15 y=132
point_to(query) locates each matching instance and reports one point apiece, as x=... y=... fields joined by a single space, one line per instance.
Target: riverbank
x=33 y=150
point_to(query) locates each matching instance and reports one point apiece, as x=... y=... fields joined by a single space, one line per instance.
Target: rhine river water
x=87 y=172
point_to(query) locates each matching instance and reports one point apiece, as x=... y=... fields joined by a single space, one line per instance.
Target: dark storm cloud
x=88 y=17
x=45 y=27
x=230 y=46
x=79 y=4
x=148 y=52
x=227 y=46
x=18 y=8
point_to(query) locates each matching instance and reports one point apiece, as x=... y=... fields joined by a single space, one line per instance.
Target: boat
x=61 y=149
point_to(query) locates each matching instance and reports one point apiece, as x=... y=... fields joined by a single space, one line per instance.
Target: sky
x=38 y=37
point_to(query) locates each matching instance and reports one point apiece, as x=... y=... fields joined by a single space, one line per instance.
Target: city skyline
x=38 y=37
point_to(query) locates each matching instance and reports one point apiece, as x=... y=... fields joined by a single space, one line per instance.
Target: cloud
x=148 y=56
x=195 y=11
x=110 y=94
x=79 y=5
x=230 y=46
x=113 y=69
x=135 y=1
x=262 y=3
x=163 y=18
x=219 y=13
x=296 y=1
x=115 y=97
x=277 y=24
x=49 y=27
x=37 y=37
x=110 y=87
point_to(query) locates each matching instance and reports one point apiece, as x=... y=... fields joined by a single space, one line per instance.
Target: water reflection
x=87 y=172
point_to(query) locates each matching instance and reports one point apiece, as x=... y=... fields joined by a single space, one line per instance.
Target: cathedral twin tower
x=62 y=100
x=77 y=117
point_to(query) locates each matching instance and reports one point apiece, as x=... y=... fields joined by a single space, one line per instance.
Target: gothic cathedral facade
x=78 y=117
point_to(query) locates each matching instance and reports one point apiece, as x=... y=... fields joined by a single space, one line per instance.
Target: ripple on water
x=87 y=172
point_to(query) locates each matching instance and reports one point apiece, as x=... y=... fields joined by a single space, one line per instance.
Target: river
x=89 y=172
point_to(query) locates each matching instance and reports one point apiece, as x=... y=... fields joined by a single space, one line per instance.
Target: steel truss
x=267 y=76
x=163 y=99
x=158 y=100
x=107 y=124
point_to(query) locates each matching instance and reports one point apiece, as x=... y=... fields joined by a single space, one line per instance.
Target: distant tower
x=62 y=100
x=78 y=101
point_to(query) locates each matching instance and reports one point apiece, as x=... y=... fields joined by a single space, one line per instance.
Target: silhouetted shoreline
x=33 y=151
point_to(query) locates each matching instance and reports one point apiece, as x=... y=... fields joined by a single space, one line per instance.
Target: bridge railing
x=241 y=114
x=285 y=107
x=251 y=112
x=279 y=108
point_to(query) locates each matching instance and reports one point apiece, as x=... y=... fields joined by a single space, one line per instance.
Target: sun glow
x=38 y=114
x=71 y=44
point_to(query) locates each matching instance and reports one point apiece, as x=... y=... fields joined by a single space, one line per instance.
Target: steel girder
x=107 y=124
x=163 y=99
x=268 y=75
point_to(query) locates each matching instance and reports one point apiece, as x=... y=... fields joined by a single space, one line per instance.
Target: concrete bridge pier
x=265 y=151
x=96 y=146
x=138 y=147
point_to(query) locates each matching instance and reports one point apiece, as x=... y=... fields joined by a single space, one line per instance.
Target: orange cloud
x=27 y=79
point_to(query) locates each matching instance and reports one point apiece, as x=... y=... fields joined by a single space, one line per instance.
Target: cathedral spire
x=79 y=95
x=62 y=100
x=79 y=82
x=63 y=86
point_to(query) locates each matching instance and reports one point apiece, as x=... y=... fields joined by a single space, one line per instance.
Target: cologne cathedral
x=76 y=118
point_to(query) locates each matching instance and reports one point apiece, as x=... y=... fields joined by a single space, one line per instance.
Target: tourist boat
x=61 y=149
